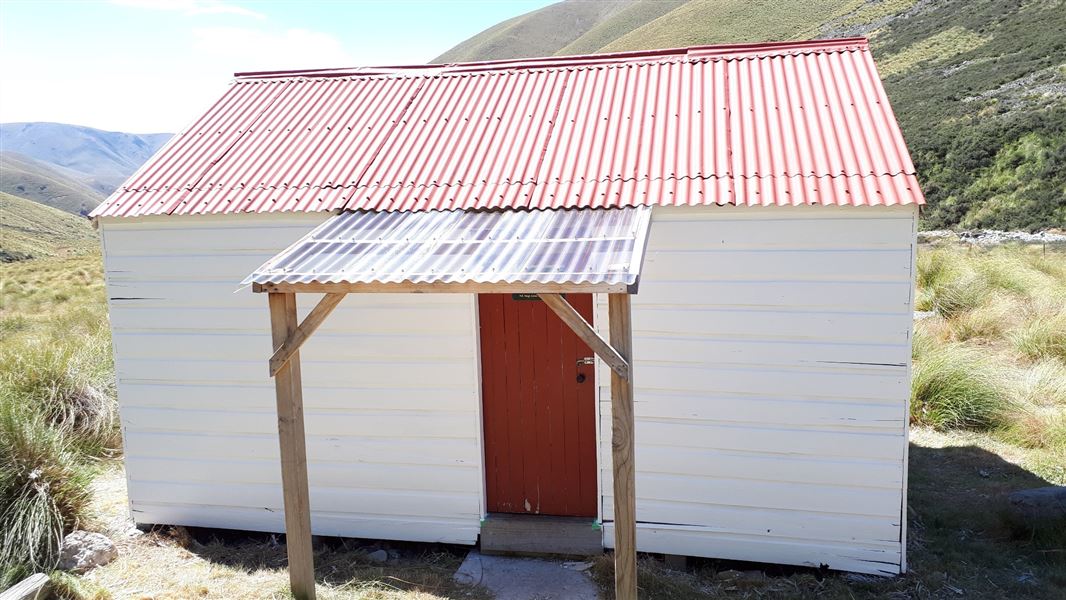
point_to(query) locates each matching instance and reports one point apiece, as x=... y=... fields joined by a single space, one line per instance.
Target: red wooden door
x=539 y=408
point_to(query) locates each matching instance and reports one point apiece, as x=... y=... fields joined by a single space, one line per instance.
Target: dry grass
x=55 y=346
x=57 y=405
x=958 y=548
x=170 y=563
x=1042 y=384
x=994 y=354
x=1042 y=337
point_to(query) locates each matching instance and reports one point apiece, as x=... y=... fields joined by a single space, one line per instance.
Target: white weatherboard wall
x=770 y=360
x=771 y=350
x=390 y=390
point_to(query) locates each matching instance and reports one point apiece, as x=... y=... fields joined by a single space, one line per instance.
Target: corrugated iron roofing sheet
x=551 y=246
x=790 y=123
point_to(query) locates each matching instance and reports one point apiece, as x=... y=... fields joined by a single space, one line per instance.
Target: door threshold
x=540 y=535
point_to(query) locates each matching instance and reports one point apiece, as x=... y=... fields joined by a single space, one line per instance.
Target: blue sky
x=152 y=65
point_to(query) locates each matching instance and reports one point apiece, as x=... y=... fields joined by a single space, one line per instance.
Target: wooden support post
x=311 y=322
x=289 y=390
x=625 y=497
x=573 y=319
x=34 y=587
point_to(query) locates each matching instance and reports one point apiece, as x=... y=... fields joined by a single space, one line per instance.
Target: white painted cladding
x=771 y=350
x=771 y=372
x=390 y=390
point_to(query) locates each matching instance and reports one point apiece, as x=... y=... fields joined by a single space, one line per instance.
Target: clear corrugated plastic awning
x=597 y=249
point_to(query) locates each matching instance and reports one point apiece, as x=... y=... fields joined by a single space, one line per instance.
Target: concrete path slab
x=512 y=578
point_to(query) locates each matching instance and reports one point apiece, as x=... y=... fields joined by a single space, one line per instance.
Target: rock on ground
x=84 y=550
x=1039 y=505
x=991 y=237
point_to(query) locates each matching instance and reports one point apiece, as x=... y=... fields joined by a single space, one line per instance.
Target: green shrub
x=44 y=490
x=953 y=387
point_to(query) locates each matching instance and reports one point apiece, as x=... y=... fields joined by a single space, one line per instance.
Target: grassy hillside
x=100 y=159
x=31 y=179
x=721 y=21
x=539 y=33
x=31 y=230
x=979 y=87
x=627 y=18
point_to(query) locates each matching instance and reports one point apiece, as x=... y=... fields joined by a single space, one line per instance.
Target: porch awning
x=544 y=251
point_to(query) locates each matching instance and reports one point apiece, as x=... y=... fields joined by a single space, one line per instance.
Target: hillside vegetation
x=979 y=87
x=58 y=415
x=34 y=180
x=32 y=230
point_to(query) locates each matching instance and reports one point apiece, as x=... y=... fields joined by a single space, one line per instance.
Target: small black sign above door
x=529 y=297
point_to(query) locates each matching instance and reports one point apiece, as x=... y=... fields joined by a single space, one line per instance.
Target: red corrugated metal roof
x=754 y=124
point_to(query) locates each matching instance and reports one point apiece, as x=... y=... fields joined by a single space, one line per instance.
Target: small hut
x=516 y=300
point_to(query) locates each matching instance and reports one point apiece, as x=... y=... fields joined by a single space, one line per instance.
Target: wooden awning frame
x=289 y=335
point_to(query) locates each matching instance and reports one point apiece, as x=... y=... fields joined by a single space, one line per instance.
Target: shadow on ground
x=959 y=546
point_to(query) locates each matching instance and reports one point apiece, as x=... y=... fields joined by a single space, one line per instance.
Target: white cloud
x=192 y=7
x=254 y=49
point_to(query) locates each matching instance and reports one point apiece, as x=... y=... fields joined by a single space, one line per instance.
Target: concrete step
x=540 y=535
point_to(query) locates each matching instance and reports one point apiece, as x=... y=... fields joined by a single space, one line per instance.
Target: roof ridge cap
x=725 y=51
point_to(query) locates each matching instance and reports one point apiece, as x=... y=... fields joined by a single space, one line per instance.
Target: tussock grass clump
x=948 y=284
x=952 y=281
x=1051 y=264
x=955 y=387
x=55 y=355
x=70 y=587
x=57 y=404
x=923 y=341
x=1042 y=337
x=954 y=297
x=1037 y=428
x=1010 y=269
x=994 y=357
x=1042 y=384
x=985 y=323
x=68 y=381
x=934 y=268
x=44 y=490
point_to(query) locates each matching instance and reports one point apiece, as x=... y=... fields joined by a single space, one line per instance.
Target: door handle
x=586 y=360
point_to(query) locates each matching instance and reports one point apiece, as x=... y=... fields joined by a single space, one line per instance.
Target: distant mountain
x=100 y=159
x=31 y=230
x=979 y=86
x=52 y=186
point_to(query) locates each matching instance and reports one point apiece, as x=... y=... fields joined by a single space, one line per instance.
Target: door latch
x=587 y=360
